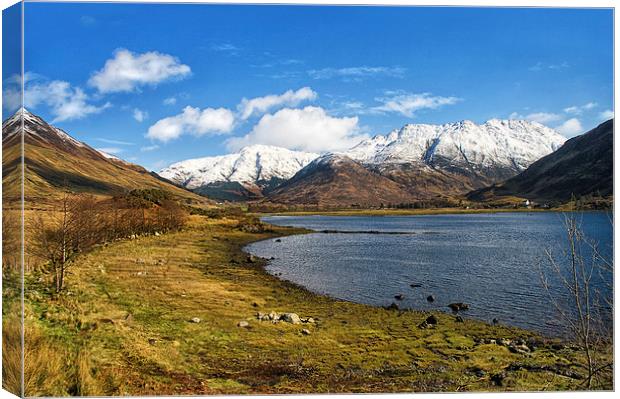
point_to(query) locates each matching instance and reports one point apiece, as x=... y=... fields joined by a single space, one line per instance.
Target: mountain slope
x=337 y=180
x=248 y=174
x=456 y=157
x=582 y=166
x=54 y=160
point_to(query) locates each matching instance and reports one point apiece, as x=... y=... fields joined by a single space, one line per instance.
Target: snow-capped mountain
x=425 y=160
x=252 y=166
x=37 y=131
x=509 y=144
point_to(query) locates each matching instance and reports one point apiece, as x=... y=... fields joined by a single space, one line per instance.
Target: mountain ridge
x=446 y=156
x=582 y=166
x=55 y=161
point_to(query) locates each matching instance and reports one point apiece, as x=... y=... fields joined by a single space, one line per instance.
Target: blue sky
x=122 y=76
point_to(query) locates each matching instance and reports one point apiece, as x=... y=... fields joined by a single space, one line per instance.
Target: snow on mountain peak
x=513 y=144
x=250 y=165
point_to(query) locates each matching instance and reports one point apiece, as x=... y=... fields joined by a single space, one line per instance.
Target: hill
x=337 y=180
x=582 y=166
x=54 y=160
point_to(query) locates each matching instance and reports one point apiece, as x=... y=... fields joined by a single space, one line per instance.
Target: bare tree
x=583 y=276
x=69 y=231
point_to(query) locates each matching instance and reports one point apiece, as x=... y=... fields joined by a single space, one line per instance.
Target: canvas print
x=207 y=199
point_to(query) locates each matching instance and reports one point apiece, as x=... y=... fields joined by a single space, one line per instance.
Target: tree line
x=81 y=221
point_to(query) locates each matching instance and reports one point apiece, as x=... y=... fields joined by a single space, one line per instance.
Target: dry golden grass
x=11 y=352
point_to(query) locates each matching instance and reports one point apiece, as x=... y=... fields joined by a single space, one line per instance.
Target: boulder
x=430 y=298
x=432 y=320
x=292 y=318
x=278 y=240
x=274 y=316
x=305 y=331
x=194 y=320
x=458 y=306
x=399 y=297
x=415 y=285
x=243 y=324
x=519 y=349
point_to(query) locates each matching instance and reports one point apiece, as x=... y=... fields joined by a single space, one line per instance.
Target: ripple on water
x=491 y=261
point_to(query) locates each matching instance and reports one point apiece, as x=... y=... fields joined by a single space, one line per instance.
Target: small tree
x=73 y=228
x=586 y=315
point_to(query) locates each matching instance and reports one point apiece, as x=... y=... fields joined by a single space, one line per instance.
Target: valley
x=174 y=310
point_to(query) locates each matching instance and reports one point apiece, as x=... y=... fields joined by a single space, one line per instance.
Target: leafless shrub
x=582 y=275
x=81 y=222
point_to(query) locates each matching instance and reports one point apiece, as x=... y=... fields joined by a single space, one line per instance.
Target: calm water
x=490 y=261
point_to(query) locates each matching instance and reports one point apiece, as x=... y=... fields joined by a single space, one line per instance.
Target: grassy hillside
x=55 y=162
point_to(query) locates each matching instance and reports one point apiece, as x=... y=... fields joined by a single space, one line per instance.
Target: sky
x=157 y=83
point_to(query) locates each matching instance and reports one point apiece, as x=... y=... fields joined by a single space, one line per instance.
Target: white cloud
x=117 y=142
x=225 y=47
x=570 y=128
x=11 y=91
x=578 y=109
x=407 y=103
x=260 y=105
x=111 y=150
x=170 y=101
x=65 y=102
x=11 y=98
x=127 y=71
x=607 y=114
x=356 y=73
x=149 y=148
x=540 y=117
x=87 y=20
x=307 y=129
x=539 y=66
x=140 y=115
x=353 y=105
x=193 y=121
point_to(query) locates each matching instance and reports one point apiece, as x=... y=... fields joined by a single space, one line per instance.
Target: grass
x=123 y=328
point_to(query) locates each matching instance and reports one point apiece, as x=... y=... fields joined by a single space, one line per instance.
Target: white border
x=479 y=3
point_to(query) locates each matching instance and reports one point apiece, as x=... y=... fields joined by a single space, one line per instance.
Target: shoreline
x=415 y=212
x=266 y=261
x=557 y=335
